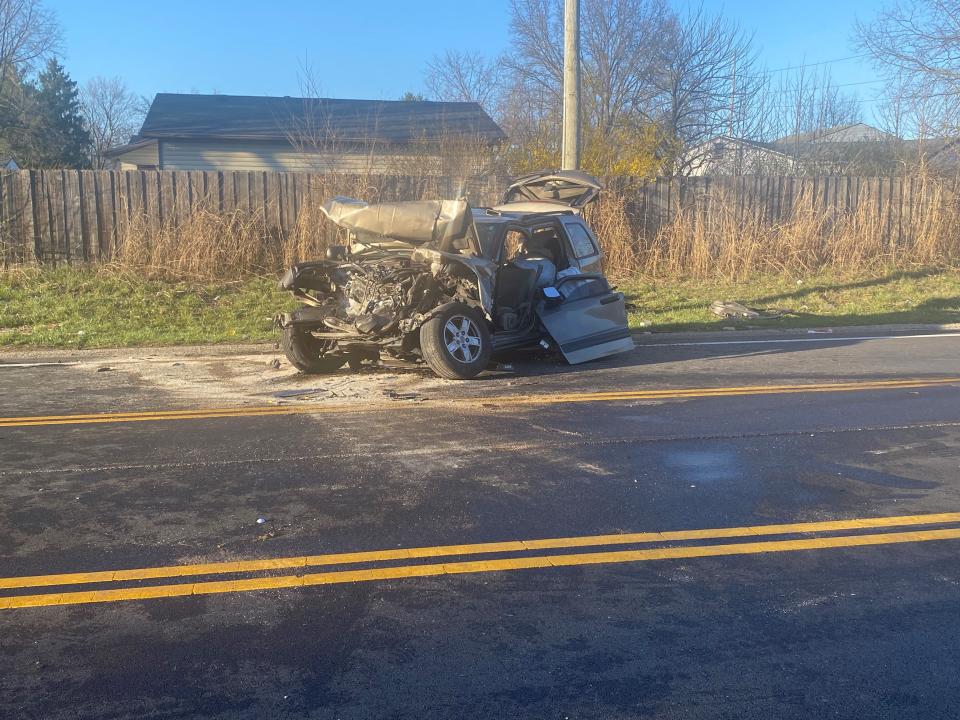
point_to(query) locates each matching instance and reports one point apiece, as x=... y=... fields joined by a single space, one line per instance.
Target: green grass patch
x=816 y=301
x=85 y=308
x=81 y=308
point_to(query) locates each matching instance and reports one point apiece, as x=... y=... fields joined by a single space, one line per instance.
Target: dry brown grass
x=219 y=246
x=719 y=238
x=211 y=244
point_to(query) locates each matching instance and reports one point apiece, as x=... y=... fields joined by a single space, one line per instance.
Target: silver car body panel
x=587 y=328
x=424 y=222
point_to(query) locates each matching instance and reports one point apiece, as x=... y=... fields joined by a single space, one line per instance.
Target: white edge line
x=36 y=364
x=839 y=338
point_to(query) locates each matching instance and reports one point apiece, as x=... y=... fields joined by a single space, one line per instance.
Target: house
x=8 y=163
x=839 y=135
x=854 y=148
x=233 y=132
x=725 y=155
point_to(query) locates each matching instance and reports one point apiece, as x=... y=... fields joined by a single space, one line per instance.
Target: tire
x=307 y=353
x=456 y=343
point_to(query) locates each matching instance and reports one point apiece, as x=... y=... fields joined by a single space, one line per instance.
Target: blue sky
x=255 y=48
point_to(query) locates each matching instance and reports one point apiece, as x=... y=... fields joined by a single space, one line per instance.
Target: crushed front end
x=373 y=295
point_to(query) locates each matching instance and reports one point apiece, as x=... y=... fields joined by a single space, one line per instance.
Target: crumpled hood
x=435 y=222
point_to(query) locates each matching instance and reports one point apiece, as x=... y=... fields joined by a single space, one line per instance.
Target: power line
x=862 y=82
x=809 y=65
x=830 y=86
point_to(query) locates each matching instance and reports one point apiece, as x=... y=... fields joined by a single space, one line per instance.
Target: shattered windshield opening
x=487 y=235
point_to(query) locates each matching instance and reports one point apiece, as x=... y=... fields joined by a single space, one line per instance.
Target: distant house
x=854 y=148
x=725 y=155
x=8 y=163
x=232 y=132
x=839 y=135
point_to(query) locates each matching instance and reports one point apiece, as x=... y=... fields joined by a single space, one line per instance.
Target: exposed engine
x=378 y=296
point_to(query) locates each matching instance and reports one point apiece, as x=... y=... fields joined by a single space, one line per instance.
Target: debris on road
x=394 y=395
x=298 y=392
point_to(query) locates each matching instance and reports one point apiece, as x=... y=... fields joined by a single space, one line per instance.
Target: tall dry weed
x=211 y=244
x=720 y=236
x=220 y=246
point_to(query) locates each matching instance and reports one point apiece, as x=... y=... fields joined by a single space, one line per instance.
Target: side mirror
x=551 y=296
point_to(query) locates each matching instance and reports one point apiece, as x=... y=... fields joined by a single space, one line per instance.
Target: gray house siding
x=229 y=155
x=140 y=157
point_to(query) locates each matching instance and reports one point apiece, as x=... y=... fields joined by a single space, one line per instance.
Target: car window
x=580 y=239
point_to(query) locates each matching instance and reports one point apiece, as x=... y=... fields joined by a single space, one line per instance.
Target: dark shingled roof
x=282 y=118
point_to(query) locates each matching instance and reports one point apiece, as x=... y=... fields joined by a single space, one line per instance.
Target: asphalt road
x=760 y=529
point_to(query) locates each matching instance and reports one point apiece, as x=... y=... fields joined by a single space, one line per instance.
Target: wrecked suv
x=450 y=285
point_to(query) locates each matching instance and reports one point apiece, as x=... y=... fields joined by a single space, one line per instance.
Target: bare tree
x=620 y=43
x=916 y=43
x=113 y=113
x=29 y=35
x=691 y=76
x=708 y=83
x=809 y=102
x=621 y=46
x=457 y=76
x=313 y=137
x=802 y=112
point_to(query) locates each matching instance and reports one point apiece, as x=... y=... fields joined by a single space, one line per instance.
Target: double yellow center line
x=524 y=554
x=502 y=401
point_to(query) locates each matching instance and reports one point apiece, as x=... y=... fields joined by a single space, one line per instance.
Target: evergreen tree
x=57 y=137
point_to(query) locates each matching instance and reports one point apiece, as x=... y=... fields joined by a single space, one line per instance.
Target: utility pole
x=571 y=85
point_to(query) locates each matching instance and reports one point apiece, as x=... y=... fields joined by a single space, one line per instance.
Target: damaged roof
x=283 y=118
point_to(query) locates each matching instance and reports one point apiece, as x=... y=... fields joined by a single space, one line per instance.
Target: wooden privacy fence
x=56 y=216
x=71 y=216
x=772 y=200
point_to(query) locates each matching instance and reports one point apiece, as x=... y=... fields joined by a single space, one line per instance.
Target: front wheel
x=456 y=342
x=309 y=354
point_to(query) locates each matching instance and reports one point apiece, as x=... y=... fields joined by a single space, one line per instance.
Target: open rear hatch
x=571 y=188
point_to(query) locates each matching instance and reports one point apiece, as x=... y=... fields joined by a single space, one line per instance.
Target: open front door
x=587 y=320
